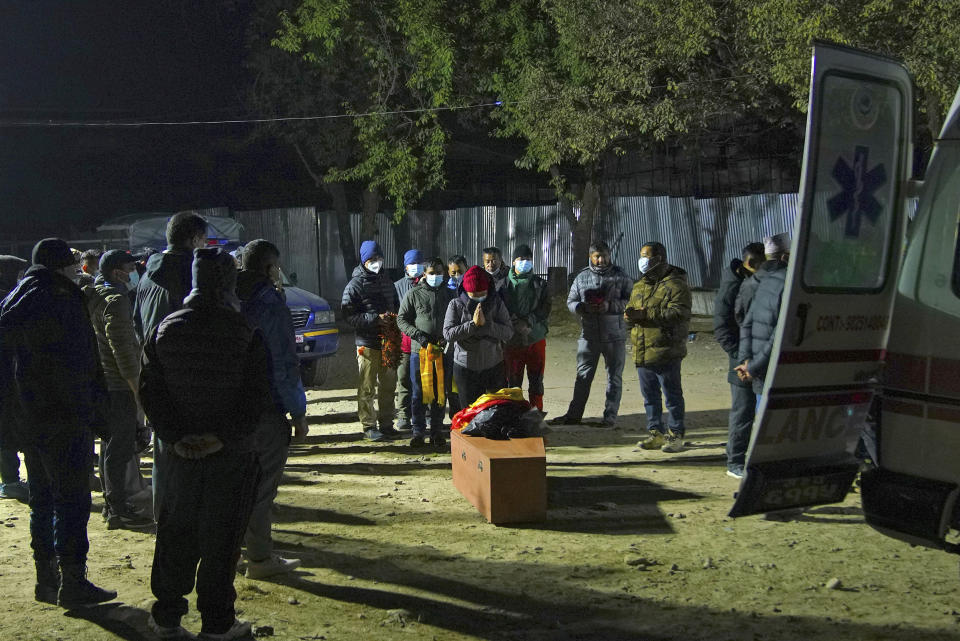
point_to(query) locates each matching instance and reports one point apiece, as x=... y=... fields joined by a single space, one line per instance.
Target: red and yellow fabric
x=506 y=395
x=431 y=371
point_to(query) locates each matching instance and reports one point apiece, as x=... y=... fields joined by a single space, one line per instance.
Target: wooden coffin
x=505 y=480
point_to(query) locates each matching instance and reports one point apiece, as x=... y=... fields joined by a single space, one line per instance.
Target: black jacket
x=49 y=365
x=760 y=326
x=365 y=297
x=206 y=371
x=725 y=327
x=162 y=288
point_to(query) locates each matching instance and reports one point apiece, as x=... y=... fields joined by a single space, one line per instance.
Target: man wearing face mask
x=265 y=309
x=659 y=312
x=528 y=302
x=367 y=303
x=50 y=364
x=456 y=267
x=494 y=266
x=478 y=324
x=598 y=296
x=413 y=269
x=112 y=318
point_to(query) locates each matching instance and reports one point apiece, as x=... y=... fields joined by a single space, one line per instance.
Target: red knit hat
x=476 y=280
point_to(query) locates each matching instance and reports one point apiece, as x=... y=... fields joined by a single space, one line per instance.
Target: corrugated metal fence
x=701 y=236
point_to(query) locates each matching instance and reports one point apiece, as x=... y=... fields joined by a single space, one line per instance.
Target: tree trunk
x=582 y=228
x=371 y=205
x=348 y=249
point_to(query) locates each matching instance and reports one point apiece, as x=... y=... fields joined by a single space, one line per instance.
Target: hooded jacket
x=365 y=297
x=422 y=313
x=760 y=325
x=726 y=330
x=112 y=316
x=266 y=310
x=612 y=286
x=528 y=301
x=49 y=366
x=661 y=337
x=477 y=348
x=162 y=289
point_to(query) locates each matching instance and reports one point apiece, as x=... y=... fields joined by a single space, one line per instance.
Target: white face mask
x=434 y=280
x=375 y=266
x=414 y=270
x=134 y=280
x=479 y=299
x=644 y=264
x=523 y=266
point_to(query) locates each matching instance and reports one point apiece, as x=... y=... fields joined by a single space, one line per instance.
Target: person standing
x=50 y=370
x=110 y=312
x=598 y=296
x=528 y=301
x=204 y=384
x=11 y=487
x=478 y=324
x=370 y=305
x=421 y=317
x=89 y=267
x=726 y=331
x=413 y=268
x=266 y=310
x=456 y=269
x=659 y=313
x=494 y=266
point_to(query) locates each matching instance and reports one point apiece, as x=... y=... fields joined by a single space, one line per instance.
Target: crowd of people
x=199 y=343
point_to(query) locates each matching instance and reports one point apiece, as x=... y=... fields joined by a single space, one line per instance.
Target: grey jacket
x=760 y=326
x=726 y=329
x=477 y=348
x=614 y=287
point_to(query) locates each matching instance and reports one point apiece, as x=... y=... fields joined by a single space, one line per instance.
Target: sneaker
x=76 y=591
x=565 y=419
x=374 y=435
x=417 y=440
x=403 y=425
x=735 y=472
x=169 y=632
x=437 y=441
x=272 y=566
x=389 y=432
x=18 y=490
x=673 y=443
x=653 y=441
x=238 y=630
x=126 y=517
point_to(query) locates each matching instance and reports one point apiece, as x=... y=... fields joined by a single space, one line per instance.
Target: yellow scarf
x=431 y=368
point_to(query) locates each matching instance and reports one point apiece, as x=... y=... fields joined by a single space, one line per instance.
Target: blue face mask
x=434 y=280
x=134 y=280
x=414 y=270
x=523 y=266
x=479 y=299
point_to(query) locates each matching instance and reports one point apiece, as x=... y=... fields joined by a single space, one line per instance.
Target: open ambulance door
x=842 y=276
x=913 y=494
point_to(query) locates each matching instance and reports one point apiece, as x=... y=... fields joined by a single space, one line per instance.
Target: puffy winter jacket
x=748 y=288
x=206 y=371
x=760 y=326
x=112 y=316
x=162 y=288
x=49 y=365
x=725 y=327
x=477 y=348
x=403 y=286
x=661 y=337
x=365 y=297
x=422 y=313
x=612 y=286
x=266 y=310
x=528 y=302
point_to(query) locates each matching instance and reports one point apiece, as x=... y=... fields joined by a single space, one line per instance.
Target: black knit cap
x=53 y=253
x=522 y=251
x=115 y=259
x=214 y=272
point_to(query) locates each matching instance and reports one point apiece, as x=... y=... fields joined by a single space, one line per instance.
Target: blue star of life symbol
x=856 y=201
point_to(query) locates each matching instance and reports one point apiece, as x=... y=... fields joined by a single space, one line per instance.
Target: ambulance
x=870 y=316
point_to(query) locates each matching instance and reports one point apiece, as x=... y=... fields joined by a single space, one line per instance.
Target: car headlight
x=324 y=317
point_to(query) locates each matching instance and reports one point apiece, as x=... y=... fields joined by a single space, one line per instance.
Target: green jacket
x=422 y=312
x=528 y=302
x=662 y=336
x=112 y=316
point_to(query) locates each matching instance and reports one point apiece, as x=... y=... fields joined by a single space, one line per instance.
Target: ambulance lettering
x=816 y=423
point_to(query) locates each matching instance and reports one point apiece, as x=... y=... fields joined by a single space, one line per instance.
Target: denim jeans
x=272 y=445
x=119 y=448
x=665 y=378
x=418 y=409
x=588 y=357
x=743 y=405
x=59 y=476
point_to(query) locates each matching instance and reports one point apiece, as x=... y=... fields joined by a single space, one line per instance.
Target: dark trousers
x=119 y=448
x=418 y=409
x=453 y=397
x=665 y=378
x=201 y=520
x=404 y=396
x=533 y=358
x=743 y=405
x=9 y=466
x=60 y=497
x=473 y=384
x=272 y=446
x=588 y=358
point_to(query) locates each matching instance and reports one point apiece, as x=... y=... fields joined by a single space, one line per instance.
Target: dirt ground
x=636 y=545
